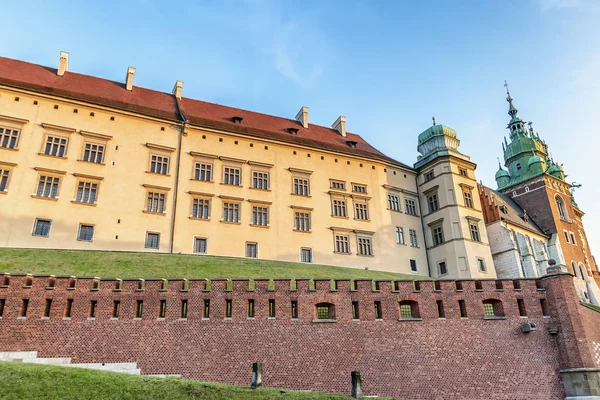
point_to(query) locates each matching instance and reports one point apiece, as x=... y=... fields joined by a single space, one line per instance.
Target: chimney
x=177 y=89
x=302 y=116
x=129 y=78
x=340 y=125
x=63 y=63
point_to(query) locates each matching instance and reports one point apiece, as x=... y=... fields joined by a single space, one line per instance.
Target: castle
x=92 y=164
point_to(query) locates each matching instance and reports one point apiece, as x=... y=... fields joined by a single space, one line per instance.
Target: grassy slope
x=30 y=381
x=144 y=265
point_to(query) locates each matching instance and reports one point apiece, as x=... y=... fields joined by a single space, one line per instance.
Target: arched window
x=492 y=308
x=562 y=210
x=325 y=311
x=409 y=310
x=582 y=271
x=574 y=266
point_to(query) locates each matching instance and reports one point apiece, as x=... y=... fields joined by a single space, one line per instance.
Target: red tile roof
x=90 y=89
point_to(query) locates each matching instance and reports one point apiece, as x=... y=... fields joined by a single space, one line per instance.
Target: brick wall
x=426 y=358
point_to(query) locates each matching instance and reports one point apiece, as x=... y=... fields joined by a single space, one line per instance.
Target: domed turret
x=536 y=164
x=556 y=171
x=502 y=176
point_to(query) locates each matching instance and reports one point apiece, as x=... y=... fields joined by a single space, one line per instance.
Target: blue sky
x=388 y=66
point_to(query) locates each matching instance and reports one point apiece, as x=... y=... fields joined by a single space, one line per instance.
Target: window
x=566 y=236
x=139 y=310
x=156 y=202
x=573 y=238
x=302 y=221
x=337 y=185
x=358 y=188
x=86 y=192
x=48 y=187
x=361 y=211
x=162 y=310
x=428 y=176
x=271 y=308
x=468 y=198
x=42 y=227
x=260 y=180
x=432 y=201
x=200 y=245
x=339 y=208
x=521 y=306
x=378 y=310
x=400 y=235
x=325 y=311
x=562 y=210
x=364 y=246
x=93 y=153
x=355 y=310
x=203 y=172
x=294 y=309
x=413 y=265
x=462 y=172
x=3 y=179
x=342 y=244
x=56 y=146
x=184 y=309
x=231 y=212
x=393 y=202
x=437 y=234
x=159 y=164
x=206 y=314
x=93 y=308
x=492 y=308
x=68 y=308
x=86 y=233
x=474 y=232
x=442 y=268
x=481 y=264
x=47 y=308
x=413 y=238
x=152 y=240
x=232 y=176
x=440 y=309
x=301 y=186
x=252 y=250
x=411 y=206
x=260 y=216
x=463 y=308
x=306 y=255
x=201 y=208
x=9 y=138
x=228 y=308
x=409 y=310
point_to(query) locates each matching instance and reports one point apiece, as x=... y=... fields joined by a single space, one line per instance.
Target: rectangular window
x=116 y=309
x=156 y=202
x=364 y=246
x=68 y=308
x=440 y=309
x=342 y=244
x=93 y=307
x=337 y=185
x=231 y=212
x=3 y=179
x=250 y=308
x=521 y=306
x=159 y=164
x=228 y=308
x=357 y=188
x=271 y=308
x=24 y=306
x=442 y=268
x=544 y=308
x=413 y=265
x=302 y=221
x=433 y=203
x=203 y=172
x=252 y=250
x=162 y=311
x=206 y=308
x=463 y=308
x=481 y=264
x=47 y=308
x=48 y=186
x=301 y=187
x=339 y=208
x=139 y=310
x=355 y=310
x=200 y=245
x=488 y=309
x=468 y=198
x=573 y=239
x=400 y=235
x=86 y=192
x=474 y=232
x=294 y=309
x=184 y=309
x=9 y=138
x=93 y=153
x=437 y=234
x=462 y=172
x=86 y=233
x=260 y=180
x=232 y=176
x=2 y=303
x=411 y=206
x=413 y=238
x=152 y=240
x=428 y=176
x=56 y=146
x=201 y=208
x=260 y=216
x=378 y=311
x=393 y=202
x=567 y=236
x=361 y=211
x=42 y=227
x=306 y=255
x=405 y=311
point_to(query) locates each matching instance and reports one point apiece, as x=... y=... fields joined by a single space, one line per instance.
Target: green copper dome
x=534 y=160
x=502 y=173
x=436 y=130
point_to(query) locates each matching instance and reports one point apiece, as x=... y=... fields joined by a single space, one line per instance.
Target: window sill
x=301 y=231
x=362 y=220
x=230 y=184
x=8 y=148
x=340 y=216
x=91 y=162
x=43 y=318
x=494 y=318
x=71 y=288
x=262 y=190
x=260 y=226
x=66 y=318
x=227 y=319
x=84 y=204
x=391 y=209
x=411 y=319
x=35 y=196
x=271 y=318
x=21 y=317
x=151 y=248
x=91 y=318
x=301 y=195
x=200 y=180
x=158 y=173
x=199 y=219
x=339 y=252
x=137 y=319
x=3 y=191
x=160 y=319
x=49 y=287
x=154 y=212
x=114 y=318
x=49 y=155
x=412 y=215
x=324 y=321
x=230 y=223
x=182 y=319
x=365 y=255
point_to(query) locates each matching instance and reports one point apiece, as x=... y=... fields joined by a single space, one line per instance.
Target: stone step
x=125 y=368
x=48 y=361
x=17 y=355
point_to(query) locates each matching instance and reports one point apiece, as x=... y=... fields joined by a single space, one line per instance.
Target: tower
x=455 y=236
x=539 y=186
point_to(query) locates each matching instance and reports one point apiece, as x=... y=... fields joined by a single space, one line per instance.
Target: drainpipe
x=182 y=132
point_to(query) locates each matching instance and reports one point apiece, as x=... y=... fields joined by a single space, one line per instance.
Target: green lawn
x=144 y=265
x=31 y=381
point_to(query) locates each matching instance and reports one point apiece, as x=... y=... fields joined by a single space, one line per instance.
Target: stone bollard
x=357 y=392
x=257 y=368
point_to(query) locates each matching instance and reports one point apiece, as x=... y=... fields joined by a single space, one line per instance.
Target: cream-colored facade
x=86 y=175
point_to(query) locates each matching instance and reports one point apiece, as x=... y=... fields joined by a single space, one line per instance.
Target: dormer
x=237 y=120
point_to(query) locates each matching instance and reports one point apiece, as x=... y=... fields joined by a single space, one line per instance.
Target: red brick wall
x=449 y=358
x=591 y=323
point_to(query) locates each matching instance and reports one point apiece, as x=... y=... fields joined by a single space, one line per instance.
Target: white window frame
x=195 y=247
x=81 y=225
x=148 y=233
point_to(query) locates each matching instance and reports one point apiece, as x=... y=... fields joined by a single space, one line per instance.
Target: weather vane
x=433 y=119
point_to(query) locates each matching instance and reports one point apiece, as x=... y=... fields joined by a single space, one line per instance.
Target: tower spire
x=512 y=111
